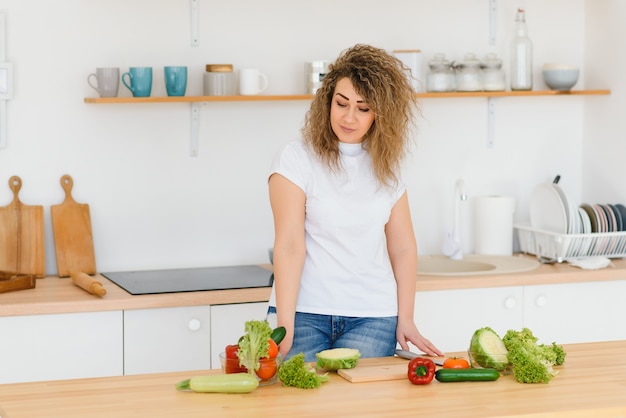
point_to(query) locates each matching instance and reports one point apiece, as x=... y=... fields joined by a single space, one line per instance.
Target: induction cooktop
x=191 y=279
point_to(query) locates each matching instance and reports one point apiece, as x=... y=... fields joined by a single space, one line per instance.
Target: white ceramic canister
x=412 y=58
x=315 y=72
x=219 y=80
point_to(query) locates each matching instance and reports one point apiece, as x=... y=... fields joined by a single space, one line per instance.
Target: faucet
x=452 y=245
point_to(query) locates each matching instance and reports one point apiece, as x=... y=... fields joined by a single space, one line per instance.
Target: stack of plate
x=551 y=210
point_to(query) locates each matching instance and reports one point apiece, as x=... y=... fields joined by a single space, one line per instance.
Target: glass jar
x=468 y=74
x=315 y=72
x=493 y=76
x=440 y=77
x=219 y=80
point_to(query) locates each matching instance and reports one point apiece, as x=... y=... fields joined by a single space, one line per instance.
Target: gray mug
x=107 y=81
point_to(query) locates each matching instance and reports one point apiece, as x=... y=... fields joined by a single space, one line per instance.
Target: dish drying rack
x=563 y=247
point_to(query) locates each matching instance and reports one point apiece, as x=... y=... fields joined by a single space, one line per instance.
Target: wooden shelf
x=197 y=101
x=206 y=99
x=515 y=93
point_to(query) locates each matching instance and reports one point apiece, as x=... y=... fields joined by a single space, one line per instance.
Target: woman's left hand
x=406 y=333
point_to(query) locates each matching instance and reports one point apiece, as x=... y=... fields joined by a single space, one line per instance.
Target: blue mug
x=175 y=80
x=139 y=81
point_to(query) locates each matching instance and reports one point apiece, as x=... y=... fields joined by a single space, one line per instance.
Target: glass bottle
x=521 y=55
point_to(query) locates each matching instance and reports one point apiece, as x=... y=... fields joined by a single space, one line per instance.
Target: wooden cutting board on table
x=73 y=239
x=22 y=246
x=374 y=370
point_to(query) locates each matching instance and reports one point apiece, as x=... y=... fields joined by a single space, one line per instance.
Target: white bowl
x=560 y=76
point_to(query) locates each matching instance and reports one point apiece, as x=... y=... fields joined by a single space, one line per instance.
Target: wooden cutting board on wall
x=73 y=239
x=22 y=246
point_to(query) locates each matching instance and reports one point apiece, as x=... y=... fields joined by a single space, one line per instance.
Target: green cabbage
x=338 y=358
x=488 y=350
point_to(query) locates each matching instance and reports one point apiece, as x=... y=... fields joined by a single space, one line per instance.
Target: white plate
x=570 y=210
x=585 y=243
x=547 y=209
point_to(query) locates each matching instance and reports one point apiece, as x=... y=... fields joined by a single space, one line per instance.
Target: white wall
x=154 y=206
x=605 y=147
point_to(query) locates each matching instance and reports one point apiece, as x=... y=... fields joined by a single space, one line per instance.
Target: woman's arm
x=288 y=207
x=403 y=255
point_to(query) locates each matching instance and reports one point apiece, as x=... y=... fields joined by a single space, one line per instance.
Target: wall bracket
x=492 y=21
x=491 y=116
x=195 y=37
x=195 y=128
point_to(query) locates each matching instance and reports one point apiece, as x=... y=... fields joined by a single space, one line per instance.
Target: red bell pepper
x=232 y=361
x=421 y=371
x=231 y=351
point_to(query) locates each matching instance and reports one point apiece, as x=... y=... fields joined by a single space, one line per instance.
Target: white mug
x=105 y=80
x=251 y=82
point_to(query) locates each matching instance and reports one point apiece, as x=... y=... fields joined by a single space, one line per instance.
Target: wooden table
x=591 y=383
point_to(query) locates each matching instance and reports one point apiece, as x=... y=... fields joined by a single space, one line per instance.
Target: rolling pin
x=91 y=285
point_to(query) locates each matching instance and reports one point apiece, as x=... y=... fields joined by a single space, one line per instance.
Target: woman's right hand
x=285 y=344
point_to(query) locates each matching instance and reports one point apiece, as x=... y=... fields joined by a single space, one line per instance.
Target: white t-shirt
x=347 y=271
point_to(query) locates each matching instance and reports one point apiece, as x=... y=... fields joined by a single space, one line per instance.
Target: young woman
x=345 y=256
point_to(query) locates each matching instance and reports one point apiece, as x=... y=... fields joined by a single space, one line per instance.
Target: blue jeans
x=373 y=337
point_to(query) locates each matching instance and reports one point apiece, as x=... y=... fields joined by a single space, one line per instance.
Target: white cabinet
x=167 y=339
x=448 y=318
x=576 y=312
x=60 y=346
x=227 y=325
x=565 y=313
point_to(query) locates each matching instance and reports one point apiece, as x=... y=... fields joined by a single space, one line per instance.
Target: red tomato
x=267 y=369
x=231 y=351
x=273 y=350
x=455 y=363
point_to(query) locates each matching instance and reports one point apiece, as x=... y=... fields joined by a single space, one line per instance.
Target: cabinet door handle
x=194 y=324
x=541 y=301
x=510 y=302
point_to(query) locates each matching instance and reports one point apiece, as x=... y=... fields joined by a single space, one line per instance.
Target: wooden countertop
x=544 y=274
x=55 y=295
x=591 y=383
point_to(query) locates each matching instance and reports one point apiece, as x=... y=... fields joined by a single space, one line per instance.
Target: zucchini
x=466 y=375
x=220 y=383
x=278 y=334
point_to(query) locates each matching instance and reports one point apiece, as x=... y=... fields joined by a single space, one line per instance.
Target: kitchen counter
x=55 y=295
x=591 y=383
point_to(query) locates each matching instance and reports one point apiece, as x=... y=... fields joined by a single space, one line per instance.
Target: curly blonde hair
x=383 y=82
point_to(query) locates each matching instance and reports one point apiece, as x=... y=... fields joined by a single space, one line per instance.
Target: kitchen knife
x=411 y=355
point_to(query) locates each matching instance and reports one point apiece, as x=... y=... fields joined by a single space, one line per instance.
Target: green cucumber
x=466 y=375
x=278 y=334
x=220 y=383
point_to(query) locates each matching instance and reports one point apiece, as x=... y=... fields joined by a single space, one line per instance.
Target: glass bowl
x=266 y=373
x=475 y=360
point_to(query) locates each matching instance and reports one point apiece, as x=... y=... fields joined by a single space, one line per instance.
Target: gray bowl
x=560 y=78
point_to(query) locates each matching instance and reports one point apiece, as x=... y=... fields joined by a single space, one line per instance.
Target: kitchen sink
x=474 y=265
